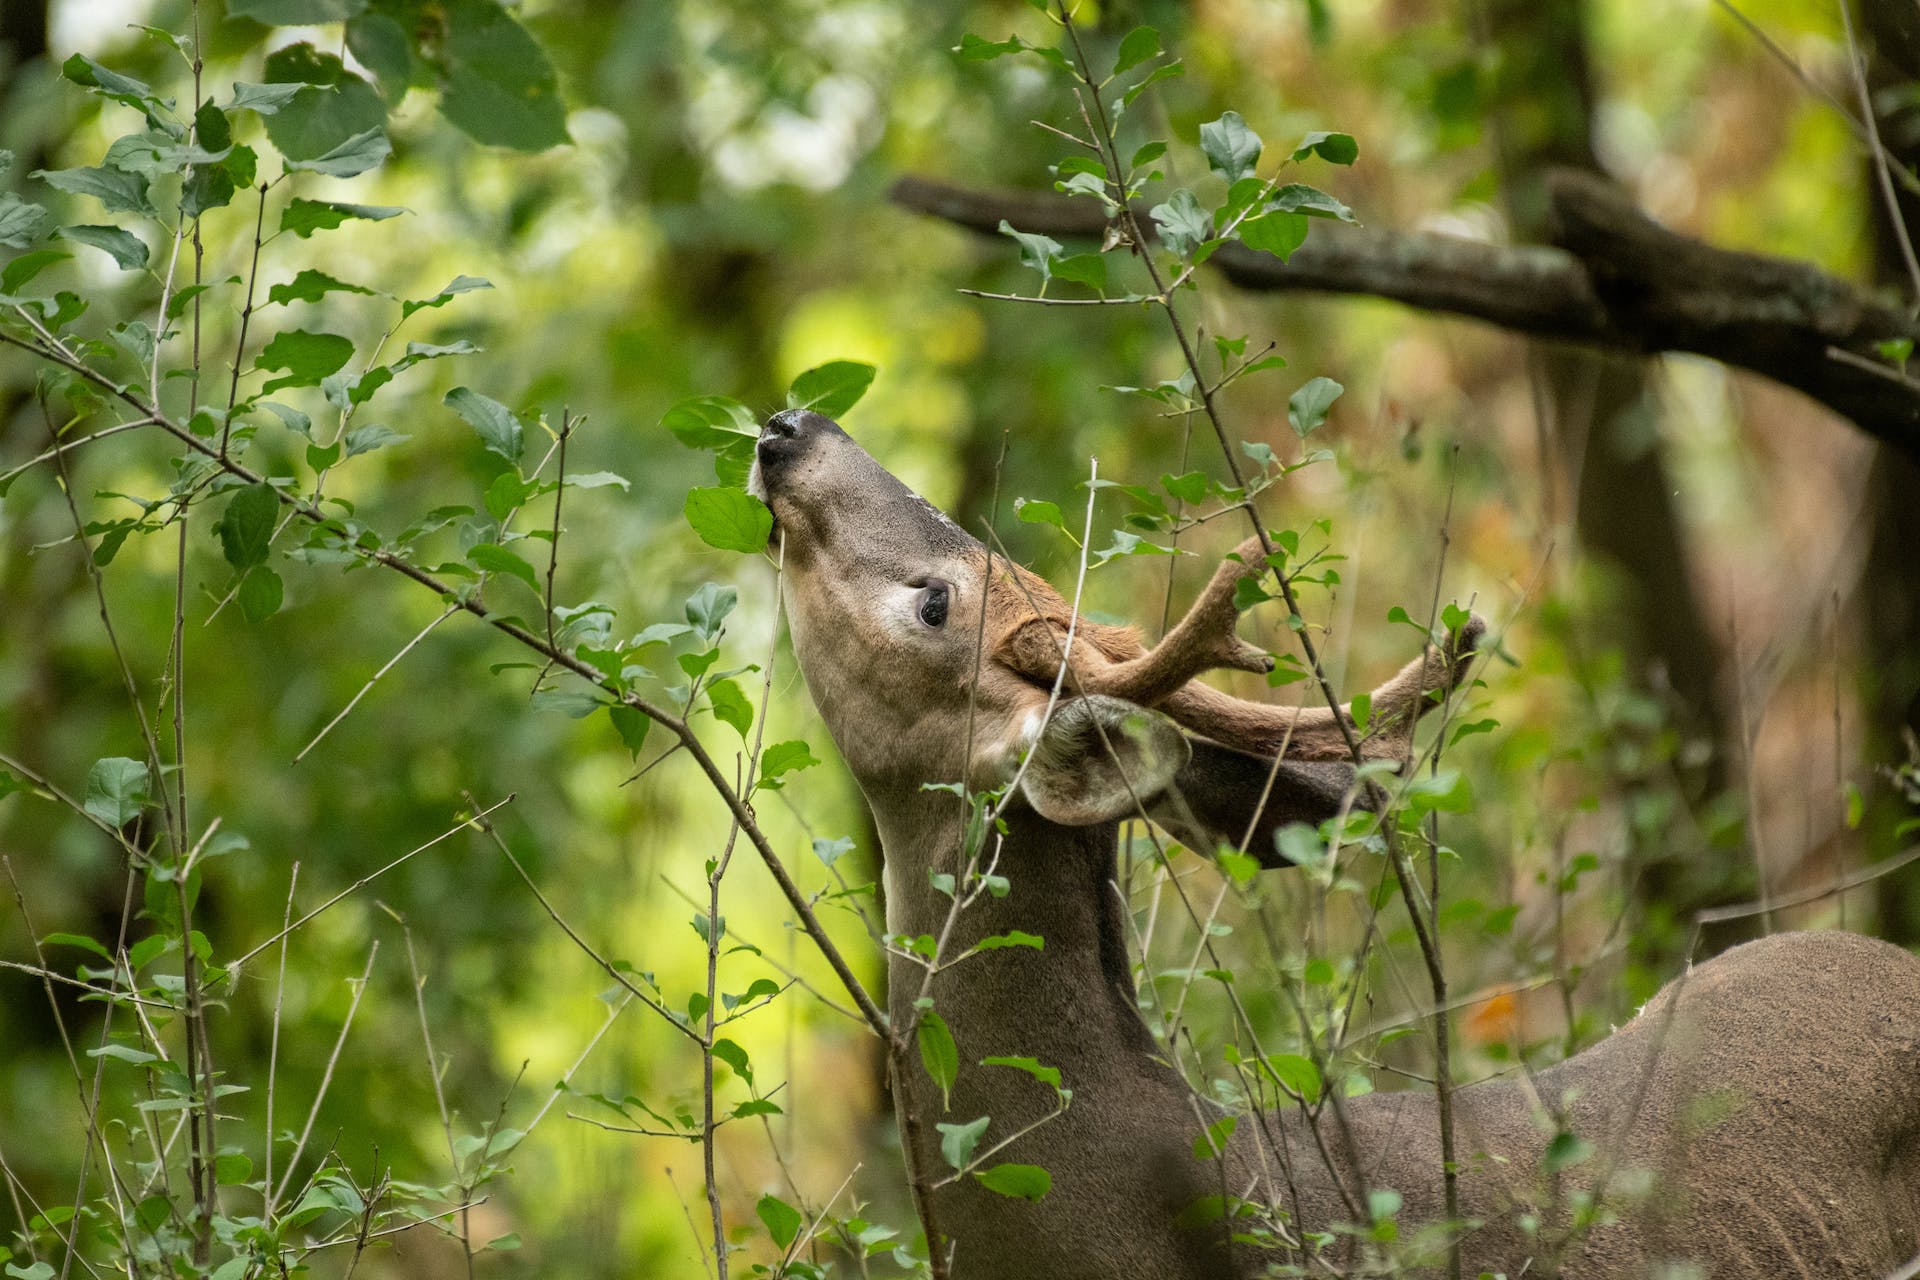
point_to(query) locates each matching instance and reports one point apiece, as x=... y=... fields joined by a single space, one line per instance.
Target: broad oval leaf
x=729 y=519
x=832 y=388
x=117 y=790
x=1020 y=1181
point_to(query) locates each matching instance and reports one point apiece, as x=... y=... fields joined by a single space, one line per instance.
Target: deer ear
x=1212 y=800
x=1100 y=758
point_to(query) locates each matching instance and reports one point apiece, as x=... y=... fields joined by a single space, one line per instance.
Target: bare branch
x=1614 y=278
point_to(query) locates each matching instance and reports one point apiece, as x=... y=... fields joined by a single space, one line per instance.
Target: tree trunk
x=1605 y=424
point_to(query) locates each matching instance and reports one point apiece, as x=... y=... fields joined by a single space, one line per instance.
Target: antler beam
x=1204 y=640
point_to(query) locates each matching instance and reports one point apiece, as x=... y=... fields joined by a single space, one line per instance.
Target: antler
x=1204 y=640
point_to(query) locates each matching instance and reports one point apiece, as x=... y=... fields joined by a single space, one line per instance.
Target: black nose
x=795 y=424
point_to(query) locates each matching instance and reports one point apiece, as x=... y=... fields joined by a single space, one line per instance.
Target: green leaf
x=1019 y=1181
x=499 y=87
x=1565 y=1151
x=232 y=1169
x=1166 y=71
x=1307 y=407
x=246 y=527
x=1447 y=791
x=1276 y=233
x=1138 y=45
x=83 y=70
x=494 y=558
x=831 y=851
x=1232 y=149
x=575 y=706
x=730 y=519
x=351 y=158
x=1297 y=1073
x=782 y=1219
x=1036 y=251
x=70 y=939
x=117 y=790
x=1297 y=197
x=1183 y=223
x=260 y=594
x=832 y=388
x=262 y=99
x=1338 y=148
x=452 y=289
x=333 y=108
x=708 y=607
x=499 y=429
x=295 y=13
x=370 y=437
x=957 y=1141
x=938 y=1054
x=19 y=221
x=711 y=422
x=1011 y=938
x=1049 y=1076
x=731 y=705
x=1213 y=1139
x=1089 y=269
x=125 y=248
x=310 y=286
x=304 y=217
x=307 y=357
x=123 y=1053
x=382 y=46
x=783 y=758
x=631 y=725
x=115 y=189
x=1034 y=511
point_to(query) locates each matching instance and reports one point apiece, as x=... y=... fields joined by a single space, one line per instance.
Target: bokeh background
x=1709 y=587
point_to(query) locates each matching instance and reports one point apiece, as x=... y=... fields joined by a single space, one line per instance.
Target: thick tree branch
x=1614 y=278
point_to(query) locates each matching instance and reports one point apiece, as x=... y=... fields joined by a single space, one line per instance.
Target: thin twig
x=326 y=1080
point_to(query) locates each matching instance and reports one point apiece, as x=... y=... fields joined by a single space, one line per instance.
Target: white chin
x=755 y=485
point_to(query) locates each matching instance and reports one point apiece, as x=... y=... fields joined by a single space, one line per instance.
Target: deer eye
x=934 y=599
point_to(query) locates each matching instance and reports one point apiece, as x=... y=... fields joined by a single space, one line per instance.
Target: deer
x=1765 y=1104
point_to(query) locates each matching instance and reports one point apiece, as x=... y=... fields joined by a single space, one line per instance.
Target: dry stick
x=676 y=725
x=613 y=1013
x=714 y=876
x=465 y=1232
x=201 y=1140
x=326 y=1081
x=152 y=745
x=606 y=965
x=368 y=879
x=1881 y=168
x=1402 y=872
x=60 y=450
x=273 y=1043
x=1749 y=735
x=246 y=315
x=375 y=678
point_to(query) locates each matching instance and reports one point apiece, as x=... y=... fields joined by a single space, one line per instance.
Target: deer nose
x=791 y=424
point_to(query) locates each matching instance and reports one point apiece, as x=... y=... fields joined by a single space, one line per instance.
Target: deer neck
x=1068 y=1001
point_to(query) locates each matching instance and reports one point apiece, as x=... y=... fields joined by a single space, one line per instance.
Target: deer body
x=1770 y=1098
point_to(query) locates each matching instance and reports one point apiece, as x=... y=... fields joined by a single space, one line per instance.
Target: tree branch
x=1613 y=278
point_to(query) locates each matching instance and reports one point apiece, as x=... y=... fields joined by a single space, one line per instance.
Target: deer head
x=935 y=661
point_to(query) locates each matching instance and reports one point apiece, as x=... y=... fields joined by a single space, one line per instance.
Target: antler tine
x=1203 y=640
x=1311 y=733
